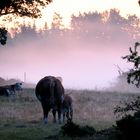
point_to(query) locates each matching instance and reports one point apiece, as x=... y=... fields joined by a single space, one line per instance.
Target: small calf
x=67 y=108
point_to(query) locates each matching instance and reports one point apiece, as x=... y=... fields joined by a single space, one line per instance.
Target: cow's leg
x=45 y=120
x=64 y=115
x=59 y=115
x=45 y=112
x=54 y=115
x=71 y=113
x=46 y=116
x=67 y=114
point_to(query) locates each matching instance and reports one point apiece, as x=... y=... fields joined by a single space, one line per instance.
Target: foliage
x=71 y=129
x=20 y=8
x=129 y=124
x=128 y=107
x=3 y=36
x=129 y=127
x=134 y=74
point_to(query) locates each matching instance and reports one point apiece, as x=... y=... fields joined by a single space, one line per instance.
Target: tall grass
x=23 y=111
x=90 y=107
x=96 y=107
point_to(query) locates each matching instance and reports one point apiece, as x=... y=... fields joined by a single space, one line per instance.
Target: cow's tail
x=52 y=85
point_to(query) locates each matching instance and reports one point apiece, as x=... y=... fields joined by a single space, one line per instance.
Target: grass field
x=21 y=115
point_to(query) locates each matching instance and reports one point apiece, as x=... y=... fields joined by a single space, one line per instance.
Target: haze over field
x=85 y=55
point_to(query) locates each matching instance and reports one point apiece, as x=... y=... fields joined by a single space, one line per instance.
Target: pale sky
x=67 y=8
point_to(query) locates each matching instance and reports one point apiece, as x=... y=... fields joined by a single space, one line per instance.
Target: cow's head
x=59 y=78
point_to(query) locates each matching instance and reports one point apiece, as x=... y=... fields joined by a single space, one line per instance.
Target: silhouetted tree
x=20 y=8
x=133 y=77
x=134 y=74
x=57 y=21
x=3 y=36
x=129 y=124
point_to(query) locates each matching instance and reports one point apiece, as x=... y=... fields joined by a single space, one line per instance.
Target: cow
x=50 y=92
x=67 y=108
x=8 y=90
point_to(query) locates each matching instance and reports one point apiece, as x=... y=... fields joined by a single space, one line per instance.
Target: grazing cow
x=10 y=89
x=67 y=108
x=50 y=93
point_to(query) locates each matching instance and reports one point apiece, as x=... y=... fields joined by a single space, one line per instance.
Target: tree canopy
x=20 y=8
x=28 y=8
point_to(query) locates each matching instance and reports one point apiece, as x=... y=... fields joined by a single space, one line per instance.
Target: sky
x=86 y=52
x=67 y=8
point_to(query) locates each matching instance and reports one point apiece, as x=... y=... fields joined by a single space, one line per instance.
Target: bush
x=72 y=130
x=130 y=126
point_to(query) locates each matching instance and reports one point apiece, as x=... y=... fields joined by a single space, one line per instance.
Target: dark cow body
x=10 y=89
x=50 y=93
x=67 y=108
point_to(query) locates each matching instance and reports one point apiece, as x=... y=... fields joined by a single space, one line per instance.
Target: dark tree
x=134 y=74
x=20 y=8
x=3 y=36
x=133 y=77
x=129 y=124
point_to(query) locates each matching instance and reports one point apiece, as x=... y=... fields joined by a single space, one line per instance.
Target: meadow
x=21 y=116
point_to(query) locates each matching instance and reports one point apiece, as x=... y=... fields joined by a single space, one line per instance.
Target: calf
x=67 y=108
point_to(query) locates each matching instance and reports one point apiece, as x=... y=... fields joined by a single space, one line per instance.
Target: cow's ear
x=59 y=78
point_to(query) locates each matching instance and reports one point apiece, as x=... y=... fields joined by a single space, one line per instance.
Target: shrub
x=130 y=126
x=71 y=129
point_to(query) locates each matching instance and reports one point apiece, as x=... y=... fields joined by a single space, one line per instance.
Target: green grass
x=21 y=116
x=28 y=131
